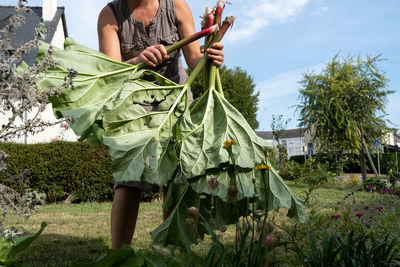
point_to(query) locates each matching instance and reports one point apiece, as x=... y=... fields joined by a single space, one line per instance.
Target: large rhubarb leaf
x=98 y=82
x=278 y=193
x=182 y=228
x=273 y=194
x=110 y=100
x=140 y=140
x=212 y=120
x=242 y=179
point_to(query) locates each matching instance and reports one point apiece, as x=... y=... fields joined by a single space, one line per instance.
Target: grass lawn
x=79 y=231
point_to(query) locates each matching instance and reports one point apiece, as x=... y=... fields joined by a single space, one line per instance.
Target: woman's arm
x=186 y=28
x=109 y=43
x=107 y=30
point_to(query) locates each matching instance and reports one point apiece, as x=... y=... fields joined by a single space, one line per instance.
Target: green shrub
x=362 y=249
x=376 y=182
x=60 y=169
x=298 y=158
x=290 y=170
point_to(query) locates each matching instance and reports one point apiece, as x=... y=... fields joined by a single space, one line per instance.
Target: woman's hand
x=152 y=56
x=216 y=53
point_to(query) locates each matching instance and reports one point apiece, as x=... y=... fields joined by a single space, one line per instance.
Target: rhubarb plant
x=206 y=151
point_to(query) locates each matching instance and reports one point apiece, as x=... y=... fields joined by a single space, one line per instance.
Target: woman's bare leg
x=124 y=214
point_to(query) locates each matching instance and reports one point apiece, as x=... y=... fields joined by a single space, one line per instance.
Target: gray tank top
x=162 y=30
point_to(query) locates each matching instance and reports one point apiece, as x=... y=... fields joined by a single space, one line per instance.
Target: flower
x=213 y=183
x=379 y=208
x=228 y=144
x=370 y=188
x=55 y=139
x=193 y=211
x=336 y=216
x=359 y=215
x=385 y=190
x=262 y=167
x=232 y=191
x=366 y=207
x=270 y=241
x=64 y=125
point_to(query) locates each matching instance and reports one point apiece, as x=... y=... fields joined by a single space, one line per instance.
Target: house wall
x=293 y=145
x=392 y=139
x=59 y=36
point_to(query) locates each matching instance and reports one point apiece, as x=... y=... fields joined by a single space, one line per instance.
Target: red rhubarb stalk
x=228 y=22
x=218 y=11
x=208 y=17
x=194 y=37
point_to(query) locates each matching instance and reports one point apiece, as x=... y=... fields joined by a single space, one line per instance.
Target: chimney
x=49 y=8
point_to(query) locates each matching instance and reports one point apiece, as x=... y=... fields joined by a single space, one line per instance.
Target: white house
x=392 y=141
x=56 y=32
x=297 y=141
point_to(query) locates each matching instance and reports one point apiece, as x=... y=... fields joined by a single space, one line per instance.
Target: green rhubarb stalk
x=228 y=22
x=219 y=83
x=185 y=88
x=212 y=77
x=208 y=20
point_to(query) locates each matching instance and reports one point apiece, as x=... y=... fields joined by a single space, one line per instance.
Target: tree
x=238 y=90
x=345 y=104
x=278 y=128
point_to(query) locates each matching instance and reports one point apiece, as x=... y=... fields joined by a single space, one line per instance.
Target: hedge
x=387 y=161
x=60 y=169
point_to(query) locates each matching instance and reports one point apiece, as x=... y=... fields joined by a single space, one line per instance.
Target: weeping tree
x=345 y=105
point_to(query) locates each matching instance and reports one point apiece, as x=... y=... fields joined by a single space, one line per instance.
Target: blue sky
x=276 y=41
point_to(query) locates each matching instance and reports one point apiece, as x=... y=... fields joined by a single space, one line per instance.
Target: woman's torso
x=162 y=29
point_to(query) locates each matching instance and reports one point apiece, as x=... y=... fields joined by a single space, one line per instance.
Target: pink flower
x=55 y=139
x=336 y=216
x=359 y=215
x=64 y=125
x=379 y=208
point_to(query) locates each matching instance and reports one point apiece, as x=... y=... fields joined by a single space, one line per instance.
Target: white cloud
x=320 y=11
x=279 y=95
x=284 y=84
x=260 y=14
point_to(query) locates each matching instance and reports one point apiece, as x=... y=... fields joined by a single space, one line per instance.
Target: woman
x=137 y=31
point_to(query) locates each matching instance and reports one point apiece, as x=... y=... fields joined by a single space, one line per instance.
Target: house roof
x=27 y=31
x=291 y=133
